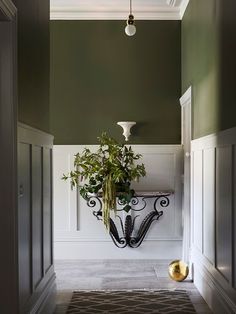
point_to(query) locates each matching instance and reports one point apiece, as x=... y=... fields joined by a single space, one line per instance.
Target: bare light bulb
x=130 y=30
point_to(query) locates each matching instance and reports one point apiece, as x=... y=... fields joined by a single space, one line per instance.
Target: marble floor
x=118 y=275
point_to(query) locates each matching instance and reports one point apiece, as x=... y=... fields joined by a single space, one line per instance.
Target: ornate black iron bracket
x=127 y=228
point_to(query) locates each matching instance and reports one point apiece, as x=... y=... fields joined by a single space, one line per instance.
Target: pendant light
x=130 y=28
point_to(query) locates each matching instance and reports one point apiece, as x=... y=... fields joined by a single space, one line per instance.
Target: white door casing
x=185 y=102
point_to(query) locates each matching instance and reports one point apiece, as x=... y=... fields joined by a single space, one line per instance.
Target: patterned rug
x=131 y=302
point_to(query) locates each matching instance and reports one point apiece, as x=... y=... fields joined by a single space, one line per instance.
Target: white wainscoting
x=214 y=219
x=78 y=234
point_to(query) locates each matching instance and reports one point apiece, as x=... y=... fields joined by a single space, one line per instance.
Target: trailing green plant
x=109 y=170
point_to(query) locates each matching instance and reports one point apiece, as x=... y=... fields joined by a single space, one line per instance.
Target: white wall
x=78 y=234
x=213 y=219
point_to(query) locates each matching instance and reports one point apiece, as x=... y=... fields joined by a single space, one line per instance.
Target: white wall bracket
x=126 y=125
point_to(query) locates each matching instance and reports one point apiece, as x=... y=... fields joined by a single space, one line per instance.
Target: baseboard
x=47 y=301
x=213 y=293
x=213 y=192
x=107 y=250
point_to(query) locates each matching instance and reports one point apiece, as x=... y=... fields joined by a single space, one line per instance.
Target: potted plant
x=109 y=170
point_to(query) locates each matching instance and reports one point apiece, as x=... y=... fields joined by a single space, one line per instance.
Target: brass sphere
x=178 y=270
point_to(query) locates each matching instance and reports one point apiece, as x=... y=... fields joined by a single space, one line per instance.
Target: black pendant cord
x=130 y=7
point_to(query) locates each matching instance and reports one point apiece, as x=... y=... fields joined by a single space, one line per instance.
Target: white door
x=185 y=102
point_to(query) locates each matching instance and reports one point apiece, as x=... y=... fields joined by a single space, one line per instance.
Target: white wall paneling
x=35 y=256
x=197 y=198
x=78 y=234
x=209 y=204
x=213 y=206
x=223 y=196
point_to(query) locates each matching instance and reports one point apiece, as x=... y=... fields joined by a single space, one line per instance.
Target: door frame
x=186 y=113
x=8 y=165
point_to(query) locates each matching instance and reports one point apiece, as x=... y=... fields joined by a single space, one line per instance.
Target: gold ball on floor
x=178 y=270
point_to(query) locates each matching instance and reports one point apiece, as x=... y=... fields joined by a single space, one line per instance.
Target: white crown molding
x=168 y=10
x=69 y=13
x=183 y=8
x=171 y=2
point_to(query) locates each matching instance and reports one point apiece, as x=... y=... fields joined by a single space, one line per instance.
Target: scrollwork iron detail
x=130 y=237
x=94 y=201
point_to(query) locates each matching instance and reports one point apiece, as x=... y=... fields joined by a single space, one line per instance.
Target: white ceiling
x=117 y=9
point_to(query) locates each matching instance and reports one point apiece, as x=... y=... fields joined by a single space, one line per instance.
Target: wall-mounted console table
x=127 y=233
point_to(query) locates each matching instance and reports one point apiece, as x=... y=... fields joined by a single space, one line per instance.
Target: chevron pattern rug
x=131 y=302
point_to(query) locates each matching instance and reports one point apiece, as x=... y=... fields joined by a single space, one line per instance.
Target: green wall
x=208 y=63
x=33 y=62
x=100 y=76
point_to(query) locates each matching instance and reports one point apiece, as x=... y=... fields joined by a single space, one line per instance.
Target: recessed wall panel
x=24 y=221
x=224 y=211
x=61 y=165
x=37 y=215
x=197 y=199
x=47 y=209
x=209 y=204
